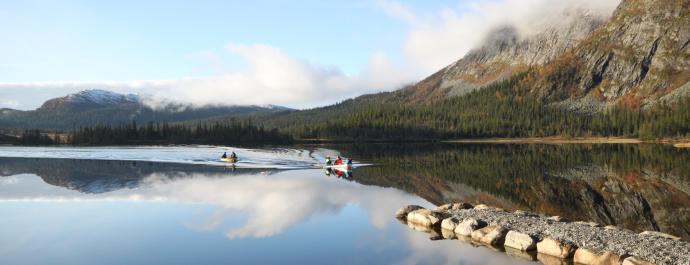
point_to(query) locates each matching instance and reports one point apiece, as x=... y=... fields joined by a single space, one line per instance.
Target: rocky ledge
x=551 y=238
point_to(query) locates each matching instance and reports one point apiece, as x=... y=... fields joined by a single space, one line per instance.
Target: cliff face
x=639 y=57
x=505 y=52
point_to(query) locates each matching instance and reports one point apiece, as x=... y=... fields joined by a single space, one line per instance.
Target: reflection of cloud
x=424 y=251
x=271 y=203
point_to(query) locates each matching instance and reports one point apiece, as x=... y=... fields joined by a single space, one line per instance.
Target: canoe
x=339 y=167
x=229 y=159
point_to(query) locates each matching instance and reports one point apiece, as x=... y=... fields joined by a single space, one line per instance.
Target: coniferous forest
x=498 y=110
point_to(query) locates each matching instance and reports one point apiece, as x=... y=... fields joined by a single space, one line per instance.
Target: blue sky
x=134 y=40
x=295 y=53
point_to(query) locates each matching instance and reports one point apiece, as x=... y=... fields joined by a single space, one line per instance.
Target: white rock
x=585 y=256
x=659 y=234
x=636 y=261
x=491 y=235
x=450 y=223
x=520 y=241
x=466 y=227
x=426 y=217
x=402 y=212
x=555 y=248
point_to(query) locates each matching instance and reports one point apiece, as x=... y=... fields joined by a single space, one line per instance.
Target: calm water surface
x=179 y=206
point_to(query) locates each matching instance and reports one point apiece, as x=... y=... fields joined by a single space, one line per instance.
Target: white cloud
x=272 y=76
x=436 y=40
x=271 y=203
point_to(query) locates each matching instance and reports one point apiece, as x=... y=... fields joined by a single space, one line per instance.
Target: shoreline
x=576 y=140
x=534 y=237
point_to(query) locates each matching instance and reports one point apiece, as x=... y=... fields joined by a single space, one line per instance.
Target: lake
x=180 y=205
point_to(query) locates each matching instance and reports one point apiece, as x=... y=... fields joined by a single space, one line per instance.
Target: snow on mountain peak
x=102 y=97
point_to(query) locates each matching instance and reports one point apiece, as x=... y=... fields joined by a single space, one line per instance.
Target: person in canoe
x=338 y=161
x=328 y=161
x=225 y=155
x=233 y=156
x=349 y=161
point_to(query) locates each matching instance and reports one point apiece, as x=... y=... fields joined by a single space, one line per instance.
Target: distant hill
x=91 y=107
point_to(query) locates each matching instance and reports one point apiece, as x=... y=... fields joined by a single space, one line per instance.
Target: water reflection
x=270 y=200
x=108 y=208
x=640 y=187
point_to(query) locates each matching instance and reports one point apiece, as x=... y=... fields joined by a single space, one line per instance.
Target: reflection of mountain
x=638 y=187
x=99 y=176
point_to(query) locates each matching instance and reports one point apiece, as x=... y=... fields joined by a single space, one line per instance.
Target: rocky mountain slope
x=505 y=52
x=92 y=107
x=639 y=57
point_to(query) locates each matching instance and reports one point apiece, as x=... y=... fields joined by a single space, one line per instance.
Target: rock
x=592 y=224
x=551 y=260
x=531 y=256
x=402 y=212
x=659 y=234
x=482 y=207
x=520 y=241
x=636 y=261
x=461 y=206
x=556 y=218
x=450 y=223
x=444 y=207
x=466 y=227
x=491 y=235
x=426 y=217
x=555 y=248
x=585 y=256
x=448 y=234
x=607 y=258
x=417 y=227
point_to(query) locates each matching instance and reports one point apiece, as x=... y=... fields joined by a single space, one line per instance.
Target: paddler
x=328 y=160
x=225 y=155
x=233 y=156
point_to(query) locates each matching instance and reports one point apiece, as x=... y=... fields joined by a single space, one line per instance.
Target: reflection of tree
x=98 y=176
x=631 y=185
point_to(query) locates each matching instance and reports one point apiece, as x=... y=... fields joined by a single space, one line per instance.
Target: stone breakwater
x=552 y=239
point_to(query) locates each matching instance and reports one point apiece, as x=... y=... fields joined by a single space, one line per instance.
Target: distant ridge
x=96 y=106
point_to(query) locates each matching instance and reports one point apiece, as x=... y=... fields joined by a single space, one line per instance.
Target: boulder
x=636 y=261
x=402 y=212
x=444 y=207
x=482 y=207
x=493 y=235
x=592 y=224
x=531 y=256
x=448 y=234
x=426 y=217
x=520 y=241
x=659 y=234
x=556 y=218
x=450 y=223
x=551 y=260
x=461 y=206
x=585 y=256
x=466 y=227
x=556 y=248
x=607 y=258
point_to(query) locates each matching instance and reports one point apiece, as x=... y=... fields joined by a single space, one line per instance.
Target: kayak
x=340 y=167
x=228 y=159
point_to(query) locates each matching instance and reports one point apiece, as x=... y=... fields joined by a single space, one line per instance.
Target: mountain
x=639 y=57
x=504 y=53
x=92 y=107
